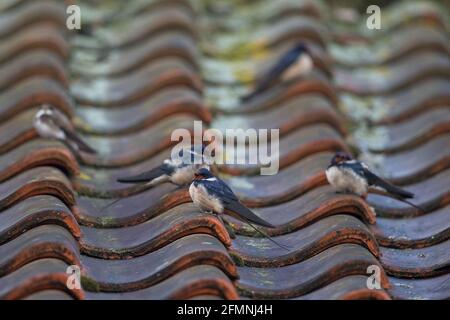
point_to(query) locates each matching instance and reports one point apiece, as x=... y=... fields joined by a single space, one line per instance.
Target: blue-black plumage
x=295 y=62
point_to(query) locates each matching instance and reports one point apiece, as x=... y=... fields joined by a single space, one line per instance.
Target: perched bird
x=178 y=171
x=211 y=194
x=296 y=62
x=348 y=175
x=51 y=123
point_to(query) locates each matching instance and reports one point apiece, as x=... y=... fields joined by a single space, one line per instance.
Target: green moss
x=89 y=284
x=107 y=221
x=238 y=261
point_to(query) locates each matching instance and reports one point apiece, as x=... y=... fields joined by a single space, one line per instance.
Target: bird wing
x=248 y=215
x=50 y=123
x=274 y=73
x=148 y=175
x=61 y=120
x=74 y=137
x=374 y=180
x=277 y=70
x=222 y=191
x=219 y=189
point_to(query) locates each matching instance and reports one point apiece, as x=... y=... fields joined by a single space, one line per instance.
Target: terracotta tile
x=423 y=262
x=187 y=284
x=36 y=37
x=400 y=137
x=118 y=62
x=155 y=267
x=303 y=243
x=322 y=269
x=43 y=274
x=417 y=232
x=33 y=212
x=129 y=241
x=421 y=289
x=348 y=288
x=49 y=12
x=41 y=242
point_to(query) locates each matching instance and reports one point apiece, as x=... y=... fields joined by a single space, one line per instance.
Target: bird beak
x=197 y=176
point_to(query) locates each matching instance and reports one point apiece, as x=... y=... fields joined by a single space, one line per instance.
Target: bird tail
x=242 y=211
x=398 y=197
x=248 y=97
x=76 y=139
x=402 y=199
x=269 y=237
x=412 y=205
x=144 y=177
x=84 y=147
x=389 y=187
x=398 y=191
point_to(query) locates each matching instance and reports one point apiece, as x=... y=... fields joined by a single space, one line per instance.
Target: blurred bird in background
x=51 y=123
x=346 y=174
x=294 y=63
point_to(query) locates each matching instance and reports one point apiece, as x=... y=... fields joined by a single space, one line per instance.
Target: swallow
x=294 y=63
x=211 y=194
x=348 y=175
x=178 y=171
x=51 y=123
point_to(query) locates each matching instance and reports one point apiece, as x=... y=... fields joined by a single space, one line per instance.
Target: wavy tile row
x=129 y=83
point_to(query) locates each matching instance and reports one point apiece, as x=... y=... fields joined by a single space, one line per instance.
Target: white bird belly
x=47 y=131
x=202 y=199
x=343 y=180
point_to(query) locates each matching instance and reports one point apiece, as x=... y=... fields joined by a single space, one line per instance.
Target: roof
x=131 y=82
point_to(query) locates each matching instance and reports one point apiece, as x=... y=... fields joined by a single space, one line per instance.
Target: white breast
x=344 y=180
x=302 y=66
x=46 y=130
x=202 y=199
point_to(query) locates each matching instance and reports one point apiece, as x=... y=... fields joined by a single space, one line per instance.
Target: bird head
x=45 y=109
x=301 y=48
x=202 y=173
x=340 y=157
x=195 y=152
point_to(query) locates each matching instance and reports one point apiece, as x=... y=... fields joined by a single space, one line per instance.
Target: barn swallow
x=178 y=171
x=51 y=123
x=296 y=62
x=346 y=174
x=211 y=194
